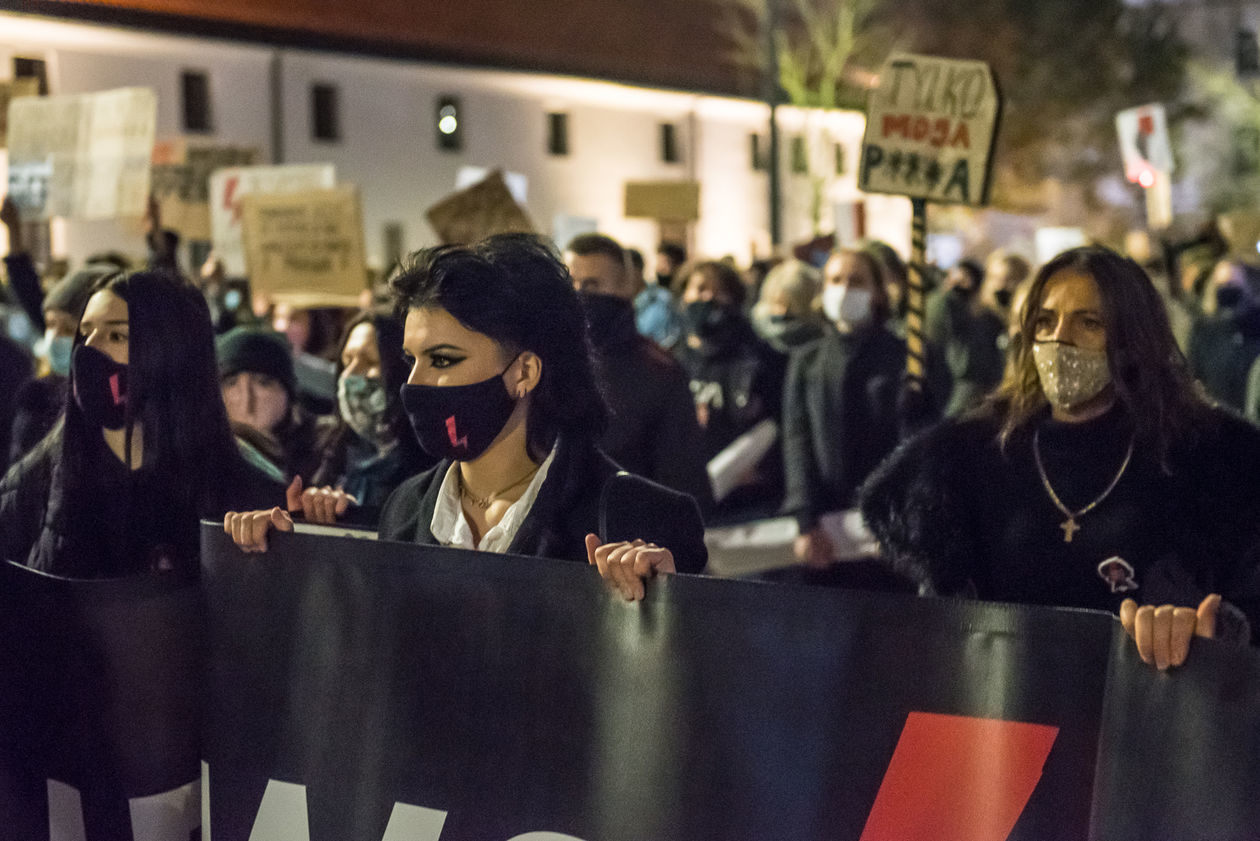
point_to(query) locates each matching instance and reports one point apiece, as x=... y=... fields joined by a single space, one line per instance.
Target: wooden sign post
x=930 y=130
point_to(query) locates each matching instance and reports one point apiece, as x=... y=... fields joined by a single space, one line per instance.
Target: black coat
x=584 y=493
x=961 y=516
x=840 y=418
x=652 y=431
x=37 y=527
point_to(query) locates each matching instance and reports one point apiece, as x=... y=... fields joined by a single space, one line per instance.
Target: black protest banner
x=377 y=690
x=100 y=685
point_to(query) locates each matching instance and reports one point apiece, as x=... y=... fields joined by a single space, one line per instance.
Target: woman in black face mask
x=143 y=449
x=502 y=390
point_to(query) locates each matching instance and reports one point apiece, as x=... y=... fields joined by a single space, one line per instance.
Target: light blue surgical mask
x=57 y=351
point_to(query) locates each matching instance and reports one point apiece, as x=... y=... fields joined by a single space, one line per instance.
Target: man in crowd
x=653 y=430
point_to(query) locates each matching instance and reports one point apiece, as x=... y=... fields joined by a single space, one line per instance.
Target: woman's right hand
x=248 y=529
x=321 y=505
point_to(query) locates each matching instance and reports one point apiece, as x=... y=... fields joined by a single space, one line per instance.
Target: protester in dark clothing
x=504 y=391
x=259 y=390
x=786 y=316
x=840 y=415
x=736 y=380
x=968 y=334
x=656 y=312
x=367 y=449
x=16 y=372
x=144 y=448
x=1097 y=477
x=652 y=430
x=1225 y=342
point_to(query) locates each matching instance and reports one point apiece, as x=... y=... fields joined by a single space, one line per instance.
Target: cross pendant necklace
x=1070 y=526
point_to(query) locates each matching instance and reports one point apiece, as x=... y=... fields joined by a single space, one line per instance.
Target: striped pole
x=914 y=314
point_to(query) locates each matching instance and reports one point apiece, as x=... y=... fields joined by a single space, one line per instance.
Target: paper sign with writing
x=930 y=129
x=479 y=211
x=229 y=186
x=83 y=156
x=181 y=181
x=10 y=91
x=1144 y=142
x=305 y=247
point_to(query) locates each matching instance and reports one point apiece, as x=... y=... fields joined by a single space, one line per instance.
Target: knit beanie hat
x=71 y=293
x=257 y=351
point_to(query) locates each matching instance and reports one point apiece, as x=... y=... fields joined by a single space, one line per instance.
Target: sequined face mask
x=1070 y=375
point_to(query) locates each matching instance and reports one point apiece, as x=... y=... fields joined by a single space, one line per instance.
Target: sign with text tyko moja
x=930 y=130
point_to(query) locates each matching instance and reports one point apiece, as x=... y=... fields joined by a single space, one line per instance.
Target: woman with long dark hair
x=1098 y=476
x=502 y=389
x=143 y=450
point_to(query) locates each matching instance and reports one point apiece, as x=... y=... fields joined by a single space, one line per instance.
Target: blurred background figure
x=259 y=390
x=312 y=334
x=968 y=333
x=786 y=316
x=656 y=311
x=652 y=429
x=1225 y=340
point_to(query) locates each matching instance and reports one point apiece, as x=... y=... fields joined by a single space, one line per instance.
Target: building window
x=194 y=86
x=450 y=128
x=670 y=151
x=800 y=160
x=1246 y=53
x=32 y=68
x=558 y=133
x=842 y=160
x=325 y=112
x=758 y=153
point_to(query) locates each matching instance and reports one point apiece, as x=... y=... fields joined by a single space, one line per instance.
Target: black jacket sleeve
x=678 y=452
x=25 y=285
x=800 y=468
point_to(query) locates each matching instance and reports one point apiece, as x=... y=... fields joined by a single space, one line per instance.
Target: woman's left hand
x=627 y=564
x=1163 y=633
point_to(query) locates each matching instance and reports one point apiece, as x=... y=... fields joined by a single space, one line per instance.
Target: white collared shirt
x=451 y=528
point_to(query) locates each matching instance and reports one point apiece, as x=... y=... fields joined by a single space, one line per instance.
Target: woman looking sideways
x=502 y=390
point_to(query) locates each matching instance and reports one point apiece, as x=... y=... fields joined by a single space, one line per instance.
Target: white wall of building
x=388 y=146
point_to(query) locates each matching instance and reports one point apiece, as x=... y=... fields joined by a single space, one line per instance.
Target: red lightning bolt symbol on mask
x=453 y=435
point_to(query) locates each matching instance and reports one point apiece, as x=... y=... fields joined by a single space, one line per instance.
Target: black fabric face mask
x=458 y=422
x=100 y=387
x=710 y=320
x=1003 y=298
x=1228 y=297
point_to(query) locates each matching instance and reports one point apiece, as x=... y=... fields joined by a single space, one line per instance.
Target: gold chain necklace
x=1069 y=526
x=484 y=502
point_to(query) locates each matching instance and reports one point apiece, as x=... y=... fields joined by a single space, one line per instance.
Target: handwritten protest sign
x=83 y=156
x=181 y=181
x=305 y=248
x=482 y=210
x=930 y=129
x=10 y=91
x=229 y=186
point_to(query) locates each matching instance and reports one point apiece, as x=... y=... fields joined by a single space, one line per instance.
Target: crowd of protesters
x=508 y=396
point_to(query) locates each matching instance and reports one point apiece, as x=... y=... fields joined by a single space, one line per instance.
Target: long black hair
x=1149 y=372
x=515 y=289
x=172 y=393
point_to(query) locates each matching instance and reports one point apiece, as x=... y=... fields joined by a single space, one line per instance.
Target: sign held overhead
x=930 y=130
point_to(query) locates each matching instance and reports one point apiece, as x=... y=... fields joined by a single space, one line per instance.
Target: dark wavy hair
x=172 y=391
x=515 y=289
x=1148 y=370
x=727 y=279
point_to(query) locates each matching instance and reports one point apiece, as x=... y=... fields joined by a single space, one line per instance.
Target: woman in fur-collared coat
x=1097 y=477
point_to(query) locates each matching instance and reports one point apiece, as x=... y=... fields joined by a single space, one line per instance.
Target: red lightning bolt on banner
x=955 y=778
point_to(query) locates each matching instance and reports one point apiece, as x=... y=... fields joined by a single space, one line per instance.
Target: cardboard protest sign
x=1144 y=141
x=930 y=130
x=10 y=91
x=229 y=186
x=305 y=248
x=676 y=201
x=482 y=210
x=85 y=156
x=181 y=181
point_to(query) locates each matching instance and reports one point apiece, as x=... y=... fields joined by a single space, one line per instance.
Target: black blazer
x=584 y=492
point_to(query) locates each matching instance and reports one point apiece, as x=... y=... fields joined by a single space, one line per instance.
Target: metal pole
x=771 y=94
x=914 y=314
x=277 y=106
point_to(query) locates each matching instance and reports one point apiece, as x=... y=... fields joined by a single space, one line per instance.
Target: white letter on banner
x=544 y=836
x=169 y=815
x=65 y=813
x=414 y=823
x=282 y=814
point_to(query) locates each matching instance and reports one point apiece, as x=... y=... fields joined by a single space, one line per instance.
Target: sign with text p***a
x=930 y=129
